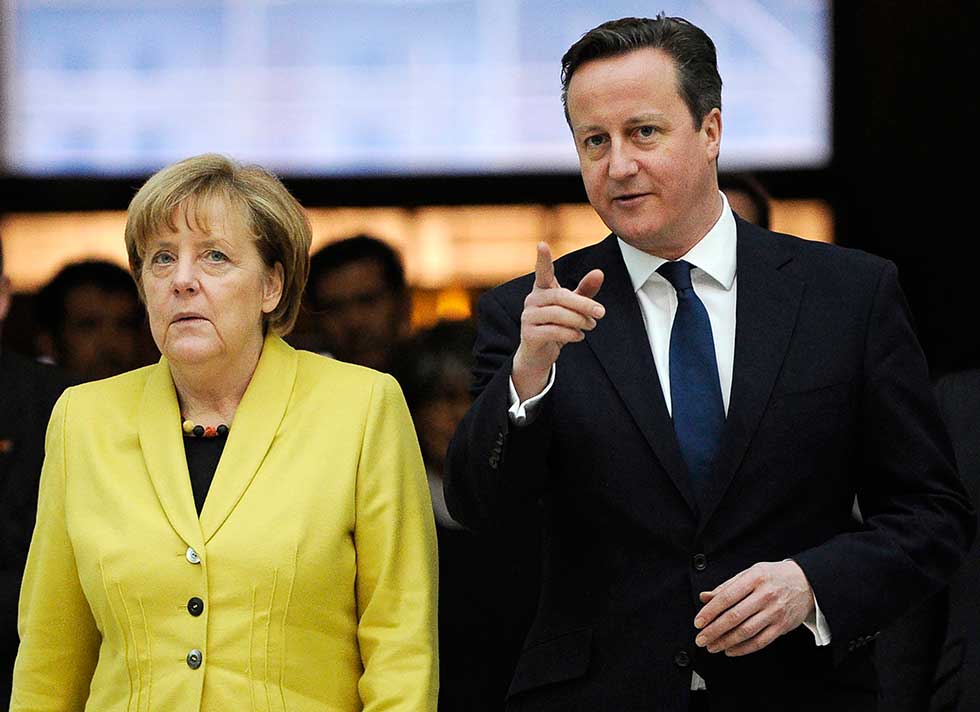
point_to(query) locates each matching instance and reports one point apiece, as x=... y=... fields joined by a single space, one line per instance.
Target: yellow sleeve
x=59 y=641
x=397 y=580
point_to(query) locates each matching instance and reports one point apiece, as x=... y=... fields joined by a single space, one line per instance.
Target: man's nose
x=622 y=164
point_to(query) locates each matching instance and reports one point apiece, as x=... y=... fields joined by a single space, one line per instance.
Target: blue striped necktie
x=697 y=408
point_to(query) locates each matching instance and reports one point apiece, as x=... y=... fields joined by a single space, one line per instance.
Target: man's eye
x=594 y=141
x=646 y=131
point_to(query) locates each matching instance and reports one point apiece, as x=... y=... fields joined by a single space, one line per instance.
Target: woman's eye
x=646 y=131
x=216 y=256
x=162 y=258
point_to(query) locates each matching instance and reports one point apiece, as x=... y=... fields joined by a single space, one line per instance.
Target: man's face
x=362 y=318
x=649 y=172
x=100 y=336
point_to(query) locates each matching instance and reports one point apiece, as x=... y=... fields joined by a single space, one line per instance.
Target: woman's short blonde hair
x=277 y=221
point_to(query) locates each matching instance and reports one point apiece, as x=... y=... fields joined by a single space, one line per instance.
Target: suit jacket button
x=194 y=659
x=195 y=606
x=682 y=659
x=192 y=556
x=700 y=562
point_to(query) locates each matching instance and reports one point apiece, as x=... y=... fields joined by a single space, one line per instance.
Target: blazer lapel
x=162 y=445
x=768 y=302
x=256 y=423
x=620 y=343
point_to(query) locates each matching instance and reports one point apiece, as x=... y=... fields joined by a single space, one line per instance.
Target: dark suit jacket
x=487 y=595
x=957 y=681
x=830 y=398
x=28 y=391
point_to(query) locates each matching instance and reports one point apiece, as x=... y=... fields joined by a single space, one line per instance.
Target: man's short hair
x=51 y=299
x=359 y=248
x=693 y=52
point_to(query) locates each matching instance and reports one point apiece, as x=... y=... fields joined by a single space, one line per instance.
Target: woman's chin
x=191 y=352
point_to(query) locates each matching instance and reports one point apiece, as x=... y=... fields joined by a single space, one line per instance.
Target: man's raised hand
x=553 y=316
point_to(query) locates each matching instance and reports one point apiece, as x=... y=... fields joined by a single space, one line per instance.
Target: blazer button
x=682 y=659
x=195 y=606
x=700 y=562
x=192 y=556
x=194 y=659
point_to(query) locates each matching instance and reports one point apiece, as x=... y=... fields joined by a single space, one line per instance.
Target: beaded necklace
x=194 y=430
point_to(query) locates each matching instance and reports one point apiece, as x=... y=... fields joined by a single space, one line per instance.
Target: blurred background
x=436 y=126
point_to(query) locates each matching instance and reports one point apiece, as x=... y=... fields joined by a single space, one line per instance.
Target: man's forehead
x=643 y=73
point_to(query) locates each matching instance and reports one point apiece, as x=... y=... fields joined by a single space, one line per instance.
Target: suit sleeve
x=397 y=562
x=59 y=644
x=495 y=469
x=918 y=519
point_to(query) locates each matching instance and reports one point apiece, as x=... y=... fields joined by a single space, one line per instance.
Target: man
x=698 y=449
x=357 y=287
x=28 y=391
x=91 y=320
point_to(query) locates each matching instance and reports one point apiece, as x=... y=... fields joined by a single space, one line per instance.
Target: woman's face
x=207 y=290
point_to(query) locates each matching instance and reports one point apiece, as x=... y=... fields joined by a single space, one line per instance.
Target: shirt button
x=194 y=659
x=195 y=606
x=700 y=562
x=682 y=659
x=192 y=556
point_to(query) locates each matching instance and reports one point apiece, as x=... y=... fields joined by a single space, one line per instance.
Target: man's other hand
x=753 y=608
x=553 y=316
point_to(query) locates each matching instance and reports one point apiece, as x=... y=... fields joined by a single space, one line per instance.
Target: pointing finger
x=544 y=270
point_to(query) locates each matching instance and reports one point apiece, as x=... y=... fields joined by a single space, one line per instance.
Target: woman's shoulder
x=316 y=371
x=109 y=393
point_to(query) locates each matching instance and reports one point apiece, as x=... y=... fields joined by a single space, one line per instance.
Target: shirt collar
x=714 y=253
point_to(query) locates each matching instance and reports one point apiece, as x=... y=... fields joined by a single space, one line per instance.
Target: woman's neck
x=209 y=393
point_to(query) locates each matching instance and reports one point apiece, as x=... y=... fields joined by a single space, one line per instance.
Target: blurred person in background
x=746 y=197
x=361 y=302
x=487 y=587
x=91 y=321
x=241 y=523
x=28 y=391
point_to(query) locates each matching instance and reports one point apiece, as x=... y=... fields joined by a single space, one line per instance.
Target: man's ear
x=711 y=130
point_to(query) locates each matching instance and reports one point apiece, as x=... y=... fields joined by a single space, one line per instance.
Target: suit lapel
x=766 y=310
x=620 y=343
x=256 y=423
x=161 y=442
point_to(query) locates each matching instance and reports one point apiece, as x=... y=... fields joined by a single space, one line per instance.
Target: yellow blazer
x=315 y=551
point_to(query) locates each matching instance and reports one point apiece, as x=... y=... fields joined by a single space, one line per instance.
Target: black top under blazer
x=830 y=399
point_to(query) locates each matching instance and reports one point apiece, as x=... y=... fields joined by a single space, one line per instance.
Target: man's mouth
x=627 y=199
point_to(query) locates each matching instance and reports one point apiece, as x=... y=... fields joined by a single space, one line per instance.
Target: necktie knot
x=677 y=273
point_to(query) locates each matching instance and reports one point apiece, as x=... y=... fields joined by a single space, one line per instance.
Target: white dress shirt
x=715 y=282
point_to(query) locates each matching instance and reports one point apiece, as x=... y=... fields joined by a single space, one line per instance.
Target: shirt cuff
x=524 y=413
x=816 y=623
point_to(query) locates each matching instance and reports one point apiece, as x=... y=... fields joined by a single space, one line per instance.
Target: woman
x=241 y=526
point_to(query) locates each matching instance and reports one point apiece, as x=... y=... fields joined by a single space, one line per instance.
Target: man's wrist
x=529 y=383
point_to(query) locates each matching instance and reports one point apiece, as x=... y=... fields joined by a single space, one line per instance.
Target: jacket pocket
x=559 y=659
